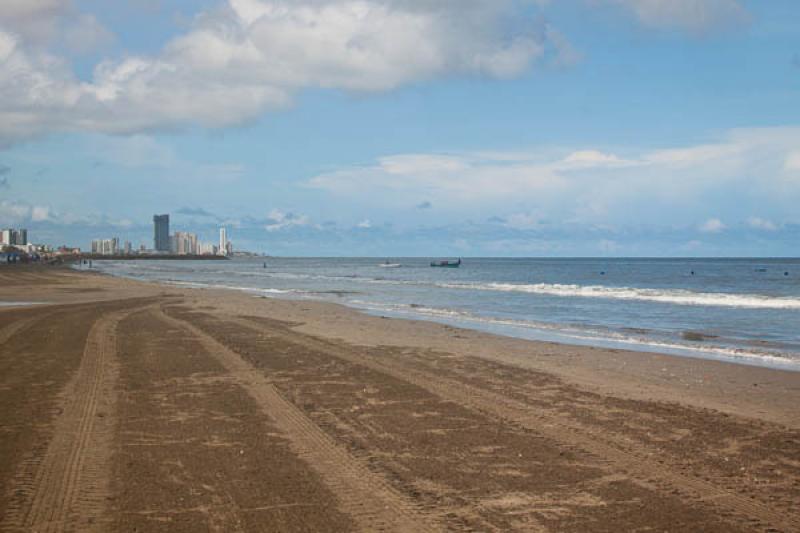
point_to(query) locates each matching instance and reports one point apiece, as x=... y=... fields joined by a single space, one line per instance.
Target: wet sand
x=127 y=406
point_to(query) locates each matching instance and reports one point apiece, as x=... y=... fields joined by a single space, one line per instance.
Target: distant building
x=128 y=248
x=105 y=246
x=161 y=239
x=14 y=237
x=223 y=242
x=206 y=248
x=183 y=243
x=68 y=250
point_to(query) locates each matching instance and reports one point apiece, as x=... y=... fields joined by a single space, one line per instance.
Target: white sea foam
x=592 y=336
x=234 y=288
x=20 y=304
x=672 y=296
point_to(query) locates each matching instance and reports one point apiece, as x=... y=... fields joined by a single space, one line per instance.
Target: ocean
x=741 y=310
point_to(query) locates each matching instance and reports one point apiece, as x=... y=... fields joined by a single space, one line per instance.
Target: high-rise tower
x=223 y=241
x=161 y=233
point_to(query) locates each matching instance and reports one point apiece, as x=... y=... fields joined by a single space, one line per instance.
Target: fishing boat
x=387 y=264
x=446 y=263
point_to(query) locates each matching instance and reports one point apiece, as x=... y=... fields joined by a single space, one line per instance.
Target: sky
x=406 y=127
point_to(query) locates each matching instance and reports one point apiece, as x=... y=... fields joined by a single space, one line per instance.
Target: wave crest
x=672 y=296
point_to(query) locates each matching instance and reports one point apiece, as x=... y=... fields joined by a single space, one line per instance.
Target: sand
x=127 y=406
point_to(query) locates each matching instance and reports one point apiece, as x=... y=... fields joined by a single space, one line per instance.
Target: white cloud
x=16 y=212
x=738 y=173
x=418 y=163
x=251 y=56
x=792 y=163
x=364 y=224
x=762 y=224
x=53 y=23
x=86 y=33
x=40 y=213
x=523 y=221
x=594 y=159
x=443 y=178
x=279 y=220
x=36 y=21
x=695 y=16
x=712 y=225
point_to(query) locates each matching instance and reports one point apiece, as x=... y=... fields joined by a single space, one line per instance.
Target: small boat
x=446 y=263
x=387 y=264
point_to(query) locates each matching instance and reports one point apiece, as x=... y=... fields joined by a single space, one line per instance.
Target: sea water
x=742 y=310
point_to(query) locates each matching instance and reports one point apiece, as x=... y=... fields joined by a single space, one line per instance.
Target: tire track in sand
x=67 y=488
x=365 y=495
x=641 y=465
x=17 y=326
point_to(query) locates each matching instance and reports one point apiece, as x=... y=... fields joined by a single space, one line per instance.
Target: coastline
x=731 y=387
x=418 y=414
x=653 y=310
x=755 y=391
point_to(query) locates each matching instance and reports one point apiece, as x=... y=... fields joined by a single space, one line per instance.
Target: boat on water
x=387 y=264
x=446 y=263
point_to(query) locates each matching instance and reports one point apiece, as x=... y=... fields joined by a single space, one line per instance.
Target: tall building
x=223 y=241
x=207 y=248
x=161 y=233
x=14 y=237
x=105 y=246
x=183 y=243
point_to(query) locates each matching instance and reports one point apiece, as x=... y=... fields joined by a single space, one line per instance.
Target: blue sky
x=407 y=127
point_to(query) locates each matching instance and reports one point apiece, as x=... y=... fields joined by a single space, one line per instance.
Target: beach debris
x=696 y=336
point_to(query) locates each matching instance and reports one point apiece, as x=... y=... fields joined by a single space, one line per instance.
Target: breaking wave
x=592 y=335
x=672 y=296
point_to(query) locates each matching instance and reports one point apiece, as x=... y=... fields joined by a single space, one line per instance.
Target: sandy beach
x=127 y=406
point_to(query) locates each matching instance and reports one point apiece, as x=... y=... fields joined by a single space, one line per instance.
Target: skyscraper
x=161 y=233
x=183 y=243
x=223 y=241
x=14 y=237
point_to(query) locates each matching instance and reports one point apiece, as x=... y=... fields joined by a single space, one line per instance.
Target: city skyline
x=164 y=242
x=497 y=128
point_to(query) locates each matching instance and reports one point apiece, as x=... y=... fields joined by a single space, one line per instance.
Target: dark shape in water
x=446 y=263
x=697 y=336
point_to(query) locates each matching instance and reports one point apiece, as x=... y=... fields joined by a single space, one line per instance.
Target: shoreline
x=743 y=390
x=194 y=409
x=693 y=343
x=754 y=391
x=510 y=329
